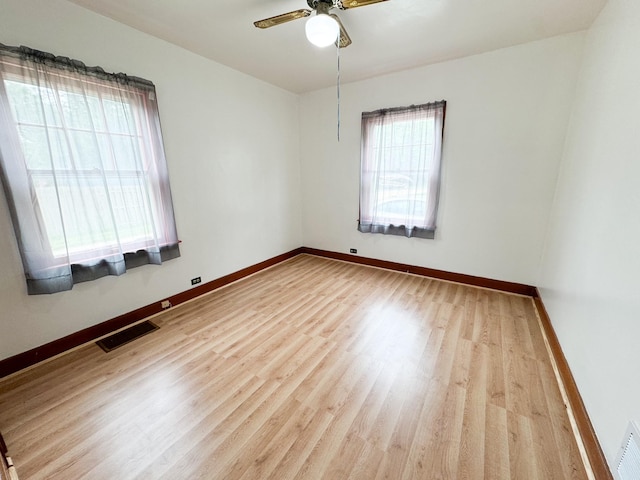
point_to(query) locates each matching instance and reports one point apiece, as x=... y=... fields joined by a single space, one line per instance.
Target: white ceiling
x=388 y=36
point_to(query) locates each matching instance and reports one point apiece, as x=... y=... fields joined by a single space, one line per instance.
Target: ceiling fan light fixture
x=322 y=30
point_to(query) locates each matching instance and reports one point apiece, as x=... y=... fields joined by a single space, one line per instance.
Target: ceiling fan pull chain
x=338 y=86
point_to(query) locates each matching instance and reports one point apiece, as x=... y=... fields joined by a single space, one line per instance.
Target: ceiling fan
x=323 y=28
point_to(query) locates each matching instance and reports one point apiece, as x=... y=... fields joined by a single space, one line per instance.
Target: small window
x=400 y=170
x=83 y=168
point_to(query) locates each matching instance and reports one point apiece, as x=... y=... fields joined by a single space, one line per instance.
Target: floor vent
x=125 y=336
x=628 y=461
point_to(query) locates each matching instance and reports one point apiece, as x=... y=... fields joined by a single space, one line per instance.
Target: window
x=83 y=169
x=400 y=170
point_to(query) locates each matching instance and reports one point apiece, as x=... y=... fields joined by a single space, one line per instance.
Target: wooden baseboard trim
x=594 y=453
x=26 y=359
x=503 y=286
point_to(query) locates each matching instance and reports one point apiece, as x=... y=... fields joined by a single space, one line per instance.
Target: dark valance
x=76 y=66
x=411 y=108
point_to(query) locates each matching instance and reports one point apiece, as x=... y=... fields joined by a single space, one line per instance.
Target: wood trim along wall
x=31 y=357
x=503 y=286
x=592 y=447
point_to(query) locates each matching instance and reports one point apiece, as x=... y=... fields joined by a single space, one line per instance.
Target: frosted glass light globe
x=322 y=30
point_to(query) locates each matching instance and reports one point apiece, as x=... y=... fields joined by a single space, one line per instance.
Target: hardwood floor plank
x=403 y=436
x=215 y=448
x=496 y=443
x=380 y=431
x=419 y=458
x=219 y=417
x=364 y=421
x=368 y=463
x=230 y=462
x=472 y=445
x=444 y=442
x=265 y=461
x=295 y=458
x=522 y=461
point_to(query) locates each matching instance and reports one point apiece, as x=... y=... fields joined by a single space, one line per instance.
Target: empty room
x=319 y=239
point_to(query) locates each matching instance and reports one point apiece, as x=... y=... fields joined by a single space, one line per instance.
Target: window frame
x=379 y=141
x=50 y=268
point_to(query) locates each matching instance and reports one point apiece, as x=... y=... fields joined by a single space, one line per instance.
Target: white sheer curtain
x=83 y=169
x=400 y=170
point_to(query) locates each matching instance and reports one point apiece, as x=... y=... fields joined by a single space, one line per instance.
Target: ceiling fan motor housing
x=325 y=3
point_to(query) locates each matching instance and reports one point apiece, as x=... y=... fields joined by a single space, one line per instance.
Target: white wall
x=234 y=175
x=590 y=277
x=236 y=182
x=507 y=113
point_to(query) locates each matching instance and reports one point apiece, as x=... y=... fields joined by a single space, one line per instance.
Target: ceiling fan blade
x=346 y=4
x=345 y=39
x=284 y=18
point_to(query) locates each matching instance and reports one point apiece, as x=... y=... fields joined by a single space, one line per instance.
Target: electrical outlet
x=195 y=281
x=165 y=304
x=353 y=250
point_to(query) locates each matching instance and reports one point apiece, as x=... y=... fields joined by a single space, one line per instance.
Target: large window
x=400 y=170
x=83 y=168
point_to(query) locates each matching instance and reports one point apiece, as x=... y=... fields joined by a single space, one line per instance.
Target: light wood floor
x=312 y=369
